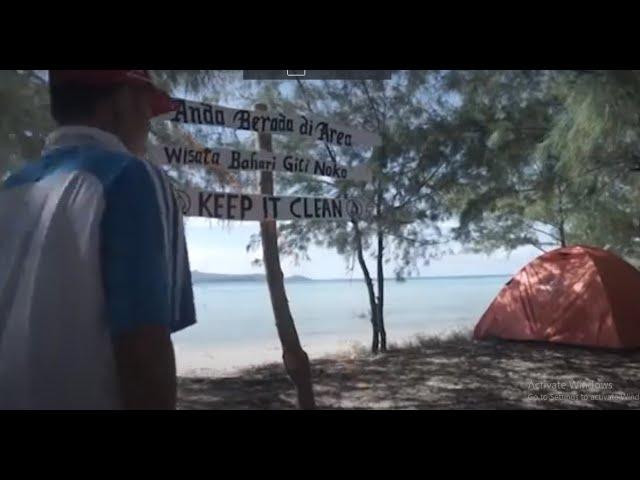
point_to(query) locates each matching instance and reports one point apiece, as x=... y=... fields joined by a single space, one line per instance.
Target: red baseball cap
x=161 y=102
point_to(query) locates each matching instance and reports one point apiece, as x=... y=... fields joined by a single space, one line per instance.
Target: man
x=94 y=273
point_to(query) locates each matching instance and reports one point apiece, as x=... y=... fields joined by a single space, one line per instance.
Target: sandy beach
x=232 y=358
x=436 y=373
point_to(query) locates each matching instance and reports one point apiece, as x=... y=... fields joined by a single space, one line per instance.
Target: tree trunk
x=295 y=359
x=561 y=215
x=563 y=237
x=381 y=327
x=375 y=343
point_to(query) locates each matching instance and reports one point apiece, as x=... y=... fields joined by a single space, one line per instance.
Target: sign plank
x=198 y=113
x=245 y=207
x=251 y=160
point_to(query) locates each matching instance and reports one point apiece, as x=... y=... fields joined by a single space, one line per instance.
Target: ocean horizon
x=427 y=277
x=305 y=277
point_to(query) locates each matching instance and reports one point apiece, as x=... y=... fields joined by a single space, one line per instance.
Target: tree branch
x=306 y=99
x=371 y=103
x=414 y=199
x=544 y=233
x=425 y=243
x=538 y=247
x=442 y=163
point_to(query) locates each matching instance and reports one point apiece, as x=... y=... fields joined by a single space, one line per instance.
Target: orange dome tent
x=576 y=295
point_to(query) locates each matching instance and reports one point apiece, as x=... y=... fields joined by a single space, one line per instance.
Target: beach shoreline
x=233 y=357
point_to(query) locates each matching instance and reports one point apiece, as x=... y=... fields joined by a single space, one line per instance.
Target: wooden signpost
x=266 y=207
x=249 y=207
x=296 y=360
x=261 y=161
x=198 y=113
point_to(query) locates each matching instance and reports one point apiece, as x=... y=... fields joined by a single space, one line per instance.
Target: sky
x=221 y=248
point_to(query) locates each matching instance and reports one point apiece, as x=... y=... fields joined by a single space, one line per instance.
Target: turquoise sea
x=236 y=326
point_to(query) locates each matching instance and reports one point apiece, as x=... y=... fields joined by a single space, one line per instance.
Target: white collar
x=82 y=135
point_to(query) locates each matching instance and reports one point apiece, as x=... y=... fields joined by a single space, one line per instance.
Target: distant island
x=201 y=277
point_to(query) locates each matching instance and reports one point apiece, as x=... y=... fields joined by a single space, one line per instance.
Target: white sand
x=228 y=358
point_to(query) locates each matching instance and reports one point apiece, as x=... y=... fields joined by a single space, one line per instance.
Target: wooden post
x=296 y=361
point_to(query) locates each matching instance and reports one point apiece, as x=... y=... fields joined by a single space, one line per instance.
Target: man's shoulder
x=107 y=166
x=123 y=179
x=136 y=179
x=119 y=173
x=26 y=174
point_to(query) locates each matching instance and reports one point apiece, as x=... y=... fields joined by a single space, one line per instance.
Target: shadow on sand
x=432 y=373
